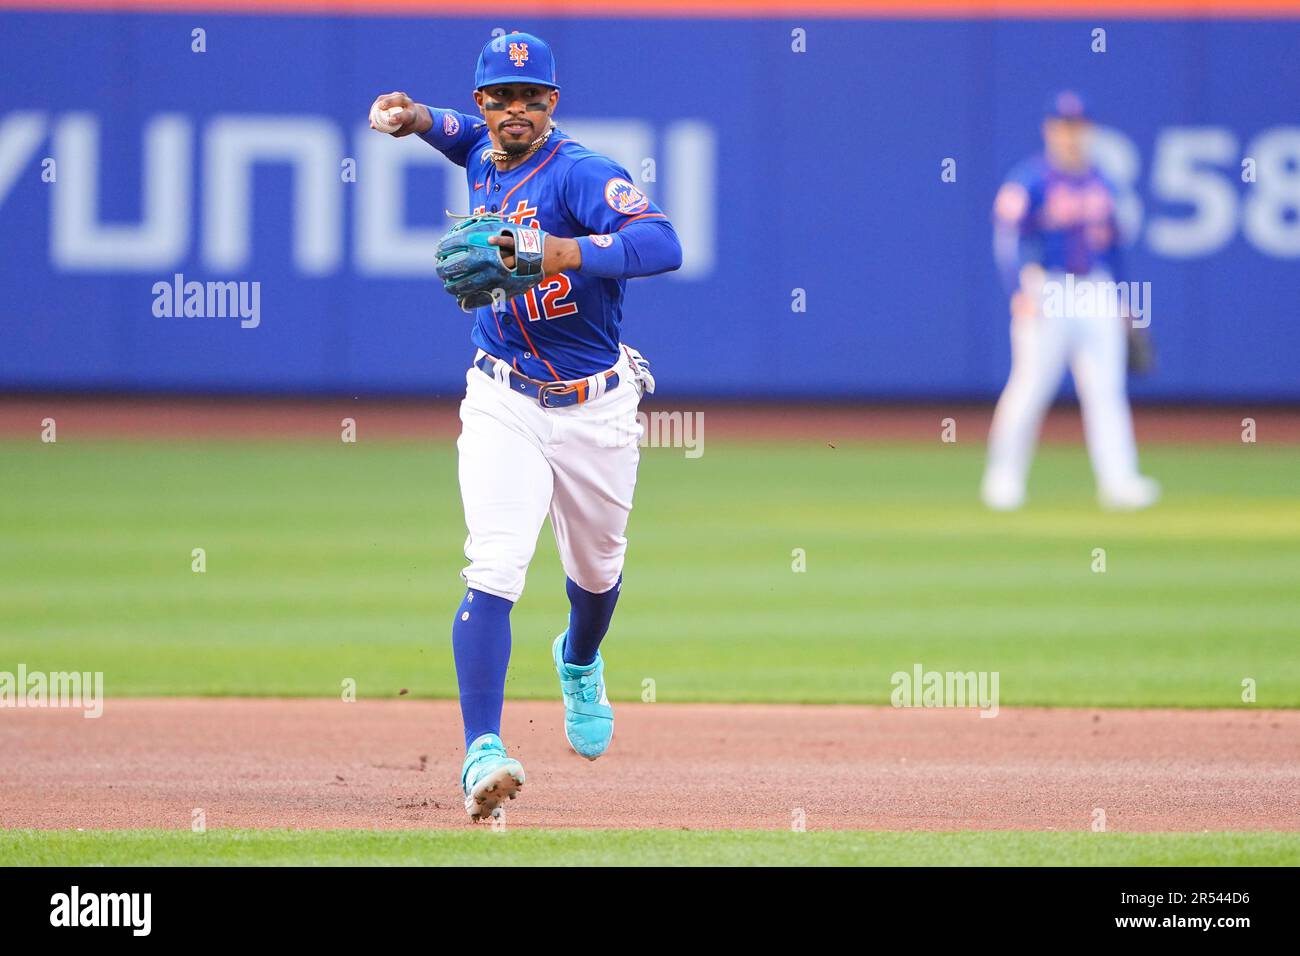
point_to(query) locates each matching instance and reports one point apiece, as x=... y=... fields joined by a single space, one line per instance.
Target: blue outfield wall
x=817 y=171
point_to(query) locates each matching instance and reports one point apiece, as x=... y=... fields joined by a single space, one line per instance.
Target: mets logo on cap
x=623 y=197
x=519 y=53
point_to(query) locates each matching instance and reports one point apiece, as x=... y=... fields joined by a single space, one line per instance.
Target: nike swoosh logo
x=478 y=185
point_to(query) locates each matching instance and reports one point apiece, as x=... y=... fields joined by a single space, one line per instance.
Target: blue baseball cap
x=1067 y=105
x=515 y=58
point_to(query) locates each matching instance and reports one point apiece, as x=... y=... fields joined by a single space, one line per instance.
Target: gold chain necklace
x=501 y=156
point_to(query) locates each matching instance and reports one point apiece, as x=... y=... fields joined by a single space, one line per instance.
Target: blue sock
x=589 y=616
x=480 y=642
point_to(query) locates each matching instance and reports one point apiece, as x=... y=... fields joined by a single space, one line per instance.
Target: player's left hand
x=480 y=270
x=560 y=253
x=1141 y=351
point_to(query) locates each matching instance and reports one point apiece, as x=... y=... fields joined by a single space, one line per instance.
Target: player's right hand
x=413 y=118
x=1024 y=307
x=1027 y=300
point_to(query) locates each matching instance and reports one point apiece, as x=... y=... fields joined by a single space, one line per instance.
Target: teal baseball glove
x=475 y=272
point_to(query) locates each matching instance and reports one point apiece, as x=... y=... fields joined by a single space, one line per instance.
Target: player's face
x=516 y=113
x=1067 y=142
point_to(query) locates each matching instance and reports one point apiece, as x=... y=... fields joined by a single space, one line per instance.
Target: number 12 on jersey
x=552 y=306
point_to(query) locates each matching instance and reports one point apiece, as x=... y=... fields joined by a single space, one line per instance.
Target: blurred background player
x=1054 y=218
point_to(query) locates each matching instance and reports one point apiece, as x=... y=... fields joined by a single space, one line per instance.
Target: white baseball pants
x=520 y=462
x=1095 y=345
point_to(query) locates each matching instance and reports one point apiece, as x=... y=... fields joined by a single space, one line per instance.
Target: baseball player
x=1055 y=234
x=548 y=420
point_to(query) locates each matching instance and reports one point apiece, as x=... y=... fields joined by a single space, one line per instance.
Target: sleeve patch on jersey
x=603 y=241
x=1012 y=203
x=450 y=124
x=625 y=198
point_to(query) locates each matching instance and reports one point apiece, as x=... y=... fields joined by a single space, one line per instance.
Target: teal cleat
x=588 y=718
x=489 y=777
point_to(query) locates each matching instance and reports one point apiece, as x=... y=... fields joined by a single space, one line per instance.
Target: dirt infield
x=314 y=763
x=271 y=418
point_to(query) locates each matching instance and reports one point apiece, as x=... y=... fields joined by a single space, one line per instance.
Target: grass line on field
x=520 y=847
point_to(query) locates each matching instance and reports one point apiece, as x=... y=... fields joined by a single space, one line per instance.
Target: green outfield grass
x=482 y=847
x=326 y=562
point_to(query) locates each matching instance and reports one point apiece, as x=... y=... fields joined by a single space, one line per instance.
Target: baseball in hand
x=383 y=120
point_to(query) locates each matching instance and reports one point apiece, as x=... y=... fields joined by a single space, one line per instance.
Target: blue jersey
x=1063 y=221
x=568 y=326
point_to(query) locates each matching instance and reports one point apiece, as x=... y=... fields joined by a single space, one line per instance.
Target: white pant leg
x=1038 y=354
x=505 y=483
x=1099 y=363
x=594 y=453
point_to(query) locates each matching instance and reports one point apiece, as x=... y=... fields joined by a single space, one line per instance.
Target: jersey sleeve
x=602 y=198
x=1113 y=255
x=1119 y=236
x=1012 y=224
x=453 y=133
x=1016 y=198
